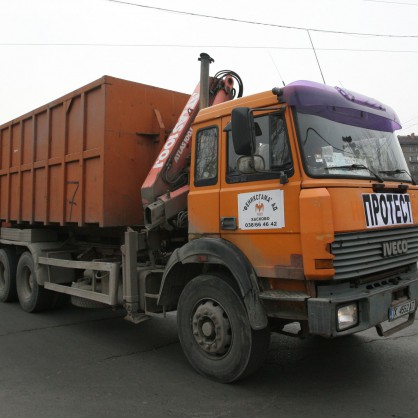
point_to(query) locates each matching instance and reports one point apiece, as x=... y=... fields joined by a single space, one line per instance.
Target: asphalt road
x=92 y=363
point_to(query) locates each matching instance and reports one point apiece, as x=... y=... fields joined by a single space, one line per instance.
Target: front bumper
x=374 y=300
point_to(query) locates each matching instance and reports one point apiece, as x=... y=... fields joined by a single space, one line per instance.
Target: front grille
x=359 y=254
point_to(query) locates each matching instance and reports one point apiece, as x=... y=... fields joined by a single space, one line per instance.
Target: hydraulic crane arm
x=164 y=192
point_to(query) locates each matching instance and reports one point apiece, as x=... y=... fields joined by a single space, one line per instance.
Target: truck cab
x=309 y=185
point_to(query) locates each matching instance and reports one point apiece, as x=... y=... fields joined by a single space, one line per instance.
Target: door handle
x=229 y=223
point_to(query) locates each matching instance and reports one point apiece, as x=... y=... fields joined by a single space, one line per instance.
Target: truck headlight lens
x=347 y=316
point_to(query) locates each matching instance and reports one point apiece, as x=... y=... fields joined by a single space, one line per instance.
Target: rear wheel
x=215 y=332
x=8 y=261
x=32 y=297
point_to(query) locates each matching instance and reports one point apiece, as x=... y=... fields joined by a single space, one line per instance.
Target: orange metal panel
x=4 y=194
x=95 y=121
x=41 y=136
x=75 y=126
x=81 y=159
x=4 y=160
x=14 y=203
x=27 y=145
x=57 y=116
x=93 y=191
x=55 y=184
x=131 y=138
x=348 y=207
x=16 y=148
x=26 y=193
x=40 y=194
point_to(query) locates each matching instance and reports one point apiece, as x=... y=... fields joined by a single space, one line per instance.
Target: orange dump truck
x=294 y=206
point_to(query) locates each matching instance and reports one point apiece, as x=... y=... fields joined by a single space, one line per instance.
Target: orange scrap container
x=82 y=159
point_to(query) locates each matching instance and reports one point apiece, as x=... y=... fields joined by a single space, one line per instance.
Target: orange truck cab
x=306 y=192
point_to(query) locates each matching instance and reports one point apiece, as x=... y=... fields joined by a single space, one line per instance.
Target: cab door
x=203 y=198
x=259 y=196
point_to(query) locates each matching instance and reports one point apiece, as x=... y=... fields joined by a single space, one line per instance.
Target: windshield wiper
x=357 y=167
x=399 y=171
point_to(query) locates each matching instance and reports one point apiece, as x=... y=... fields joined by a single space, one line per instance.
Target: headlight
x=347 y=316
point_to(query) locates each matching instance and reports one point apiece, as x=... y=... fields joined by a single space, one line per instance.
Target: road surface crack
x=147 y=350
x=70 y=324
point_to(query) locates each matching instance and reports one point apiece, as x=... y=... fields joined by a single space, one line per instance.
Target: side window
x=280 y=150
x=206 y=166
x=272 y=145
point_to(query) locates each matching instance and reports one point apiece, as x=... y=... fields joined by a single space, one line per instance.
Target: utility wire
x=410 y=120
x=409 y=126
x=104 y=45
x=393 y=2
x=260 y=23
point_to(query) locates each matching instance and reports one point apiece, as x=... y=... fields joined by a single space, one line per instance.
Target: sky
x=52 y=47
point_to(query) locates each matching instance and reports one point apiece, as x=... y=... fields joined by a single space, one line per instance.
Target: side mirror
x=243 y=131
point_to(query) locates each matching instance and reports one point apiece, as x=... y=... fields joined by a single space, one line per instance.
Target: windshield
x=333 y=149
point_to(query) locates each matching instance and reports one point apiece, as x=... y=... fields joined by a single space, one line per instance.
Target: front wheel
x=215 y=332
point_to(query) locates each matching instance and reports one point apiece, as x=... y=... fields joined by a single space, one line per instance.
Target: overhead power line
x=104 y=45
x=410 y=120
x=260 y=23
x=393 y=2
x=409 y=126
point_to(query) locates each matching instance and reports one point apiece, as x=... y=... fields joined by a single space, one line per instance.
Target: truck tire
x=8 y=262
x=215 y=332
x=32 y=297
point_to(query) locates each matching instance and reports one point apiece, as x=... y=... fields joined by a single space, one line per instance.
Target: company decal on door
x=261 y=210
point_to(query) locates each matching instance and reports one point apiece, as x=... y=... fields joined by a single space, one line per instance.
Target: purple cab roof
x=340 y=105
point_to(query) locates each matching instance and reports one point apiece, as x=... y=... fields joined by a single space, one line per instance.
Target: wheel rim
x=27 y=283
x=211 y=328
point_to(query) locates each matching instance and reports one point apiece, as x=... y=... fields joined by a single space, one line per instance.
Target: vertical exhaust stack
x=205 y=61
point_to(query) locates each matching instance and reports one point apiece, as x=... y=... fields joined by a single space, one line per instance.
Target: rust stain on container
x=82 y=159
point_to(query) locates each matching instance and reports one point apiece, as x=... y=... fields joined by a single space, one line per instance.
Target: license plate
x=402 y=309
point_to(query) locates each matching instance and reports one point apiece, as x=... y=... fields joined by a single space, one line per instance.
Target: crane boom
x=164 y=191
